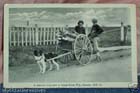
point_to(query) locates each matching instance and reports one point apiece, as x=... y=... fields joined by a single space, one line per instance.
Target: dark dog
x=42 y=58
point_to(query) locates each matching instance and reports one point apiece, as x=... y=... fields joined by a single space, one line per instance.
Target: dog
x=42 y=58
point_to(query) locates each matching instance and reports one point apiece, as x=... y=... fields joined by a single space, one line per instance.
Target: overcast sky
x=68 y=16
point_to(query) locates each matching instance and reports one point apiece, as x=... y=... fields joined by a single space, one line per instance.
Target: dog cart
x=72 y=45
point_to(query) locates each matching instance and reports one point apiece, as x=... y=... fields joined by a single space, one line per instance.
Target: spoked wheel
x=83 y=49
x=65 y=59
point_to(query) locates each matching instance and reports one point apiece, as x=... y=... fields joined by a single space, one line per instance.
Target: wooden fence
x=31 y=36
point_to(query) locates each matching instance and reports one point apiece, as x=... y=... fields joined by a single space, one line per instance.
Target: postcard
x=70 y=46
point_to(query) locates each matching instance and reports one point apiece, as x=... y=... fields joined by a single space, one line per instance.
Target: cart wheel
x=83 y=49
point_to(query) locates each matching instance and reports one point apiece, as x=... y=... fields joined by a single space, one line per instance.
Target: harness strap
x=39 y=59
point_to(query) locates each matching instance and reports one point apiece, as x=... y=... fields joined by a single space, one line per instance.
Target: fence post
x=44 y=37
x=125 y=33
x=47 y=36
x=26 y=36
x=41 y=35
x=14 y=43
x=30 y=36
x=122 y=34
x=18 y=37
x=54 y=36
x=33 y=35
x=39 y=31
x=10 y=39
x=57 y=32
x=50 y=35
x=22 y=39
x=36 y=33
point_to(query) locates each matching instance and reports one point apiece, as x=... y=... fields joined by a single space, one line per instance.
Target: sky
x=68 y=16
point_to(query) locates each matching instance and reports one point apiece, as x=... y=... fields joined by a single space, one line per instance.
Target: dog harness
x=40 y=58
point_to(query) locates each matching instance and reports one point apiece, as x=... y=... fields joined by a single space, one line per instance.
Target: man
x=96 y=30
x=79 y=28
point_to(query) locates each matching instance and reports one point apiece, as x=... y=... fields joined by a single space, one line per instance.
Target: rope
x=59 y=56
x=108 y=31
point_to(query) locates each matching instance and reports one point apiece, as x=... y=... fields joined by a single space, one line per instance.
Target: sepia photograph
x=70 y=46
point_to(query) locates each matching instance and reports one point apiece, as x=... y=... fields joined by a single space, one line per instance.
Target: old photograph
x=70 y=45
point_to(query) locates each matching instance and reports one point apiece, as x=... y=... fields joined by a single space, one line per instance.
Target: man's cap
x=80 y=21
x=94 y=20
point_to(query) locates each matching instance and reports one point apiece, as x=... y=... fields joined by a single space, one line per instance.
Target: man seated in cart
x=69 y=35
x=96 y=30
x=79 y=28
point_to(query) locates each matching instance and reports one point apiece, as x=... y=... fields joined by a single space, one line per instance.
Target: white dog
x=42 y=58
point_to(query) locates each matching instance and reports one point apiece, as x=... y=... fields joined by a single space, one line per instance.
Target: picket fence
x=31 y=36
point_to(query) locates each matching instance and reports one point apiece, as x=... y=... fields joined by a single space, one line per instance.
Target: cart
x=72 y=45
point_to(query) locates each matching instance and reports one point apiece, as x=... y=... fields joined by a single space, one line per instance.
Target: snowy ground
x=115 y=67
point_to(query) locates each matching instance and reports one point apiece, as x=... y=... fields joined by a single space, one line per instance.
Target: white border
x=70 y=84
